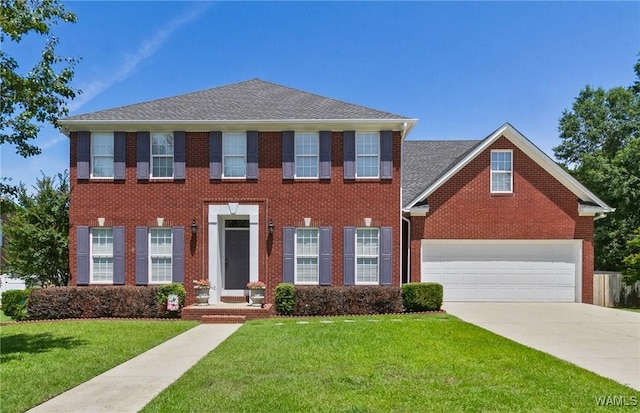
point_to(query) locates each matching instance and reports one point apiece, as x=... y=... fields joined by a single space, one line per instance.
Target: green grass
x=637 y=310
x=395 y=364
x=4 y=318
x=41 y=360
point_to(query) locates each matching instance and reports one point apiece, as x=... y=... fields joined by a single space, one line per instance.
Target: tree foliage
x=33 y=97
x=601 y=148
x=632 y=261
x=37 y=233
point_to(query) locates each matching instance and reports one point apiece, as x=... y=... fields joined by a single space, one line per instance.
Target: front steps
x=227 y=313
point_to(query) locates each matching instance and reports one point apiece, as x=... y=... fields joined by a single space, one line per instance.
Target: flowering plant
x=202 y=283
x=256 y=284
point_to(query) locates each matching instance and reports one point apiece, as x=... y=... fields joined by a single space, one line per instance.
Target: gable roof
x=431 y=184
x=252 y=101
x=423 y=162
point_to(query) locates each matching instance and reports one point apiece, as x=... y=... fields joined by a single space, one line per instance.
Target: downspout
x=408 y=247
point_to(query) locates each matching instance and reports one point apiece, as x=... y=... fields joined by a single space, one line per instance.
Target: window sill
x=502 y=194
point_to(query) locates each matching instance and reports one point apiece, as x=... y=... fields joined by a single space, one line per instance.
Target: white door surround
x=217 y=215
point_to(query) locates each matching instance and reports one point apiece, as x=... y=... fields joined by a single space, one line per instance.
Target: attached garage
x=504 y=270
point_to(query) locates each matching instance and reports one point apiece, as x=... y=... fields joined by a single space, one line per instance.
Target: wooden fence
x=610 y=291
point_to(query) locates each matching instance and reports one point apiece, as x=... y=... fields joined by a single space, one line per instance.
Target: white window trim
x=92 y=162
x=500 y=172
x=151 y=256
x=317 y=156
x=296 y=256
x=152 y=156
x=368 y=156
x=92 y=255
x=244 y=156
x=377 y=257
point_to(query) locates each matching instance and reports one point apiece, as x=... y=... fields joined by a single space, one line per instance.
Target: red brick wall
x=539 y=208
x=336 y=203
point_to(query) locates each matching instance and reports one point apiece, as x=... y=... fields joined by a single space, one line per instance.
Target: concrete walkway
x=128 y=387
x=603 y=340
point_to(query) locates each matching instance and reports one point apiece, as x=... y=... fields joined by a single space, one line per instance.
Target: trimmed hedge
x=96 y=302
x=422 y=296
x=14 y=303
x=343 y=300
x=285 y=298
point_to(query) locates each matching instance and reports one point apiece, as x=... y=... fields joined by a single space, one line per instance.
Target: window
x=160 y=255
x=367 y=154
x=234 y=155
x=101 y=255
x=501 y=171
x=306 y=253
x=162 y=155
x=102 y=155
x=307 y=149
x=367 y=252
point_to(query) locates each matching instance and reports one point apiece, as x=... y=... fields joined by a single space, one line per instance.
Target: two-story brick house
x=245 y=182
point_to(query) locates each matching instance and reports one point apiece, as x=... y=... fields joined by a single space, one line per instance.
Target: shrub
x=14 y=303
x=422 y=296
x=163 y=294
x=346 y=300
x=285 y=298
x=95 y=302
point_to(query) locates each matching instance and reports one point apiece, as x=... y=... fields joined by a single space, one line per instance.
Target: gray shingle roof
x=423 y=162
x=250 y=100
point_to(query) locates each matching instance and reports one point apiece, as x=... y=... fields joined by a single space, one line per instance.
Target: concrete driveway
x=603 y=340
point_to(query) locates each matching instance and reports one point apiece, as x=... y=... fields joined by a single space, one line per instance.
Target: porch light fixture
x=271 y=226
x=194 y=227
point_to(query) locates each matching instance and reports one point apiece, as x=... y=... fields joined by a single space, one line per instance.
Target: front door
x=236 y=251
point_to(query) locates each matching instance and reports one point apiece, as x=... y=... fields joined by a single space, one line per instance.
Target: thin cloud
x=147 y=49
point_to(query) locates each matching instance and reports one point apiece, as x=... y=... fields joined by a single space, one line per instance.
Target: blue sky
x=462 y=68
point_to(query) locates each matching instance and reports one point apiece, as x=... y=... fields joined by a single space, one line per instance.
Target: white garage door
x=474 y=270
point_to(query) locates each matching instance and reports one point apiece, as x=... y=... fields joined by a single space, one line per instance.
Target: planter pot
x=256 y=296
x=202 y=295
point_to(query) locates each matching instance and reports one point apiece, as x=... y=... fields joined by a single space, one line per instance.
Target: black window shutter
x=349 y=150
x=119 y=155
x=83 y=144
x=143 y=152
x=325 y=154
x=177 y=261
x=324 y=264
x=82 y=255
x=349 y=255
x=386 y=154
x=252 y=154
x=386 y=255
x=215 y=155
x=118 y=255
x=179 y=155
x=288 y=155
x=142 y=256
x=288 y=254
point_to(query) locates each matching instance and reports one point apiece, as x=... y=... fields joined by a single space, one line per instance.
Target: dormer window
x=501 y=171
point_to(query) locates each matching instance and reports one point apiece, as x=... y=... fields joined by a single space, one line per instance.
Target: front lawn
x=41 y=360
x=4 y=318
x=380 y=364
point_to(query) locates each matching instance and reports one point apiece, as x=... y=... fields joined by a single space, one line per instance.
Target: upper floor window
x=306 y=253
x=102 y=155
x=367 y=254
x=307 y=154
x=234 y=155
x=162 y=155
x=101 y=255
x=501 y=171
x=367 y=154
x=160 y=255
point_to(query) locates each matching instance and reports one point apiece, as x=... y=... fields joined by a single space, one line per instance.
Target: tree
x=33 y=97
x=601 y=148
x=37 y=233
x=632 y=261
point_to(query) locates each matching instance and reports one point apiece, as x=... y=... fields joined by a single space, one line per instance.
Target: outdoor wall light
x=271 y=226
x=194 y=227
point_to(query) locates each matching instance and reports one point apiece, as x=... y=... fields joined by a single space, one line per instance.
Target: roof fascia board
x=542 y=159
